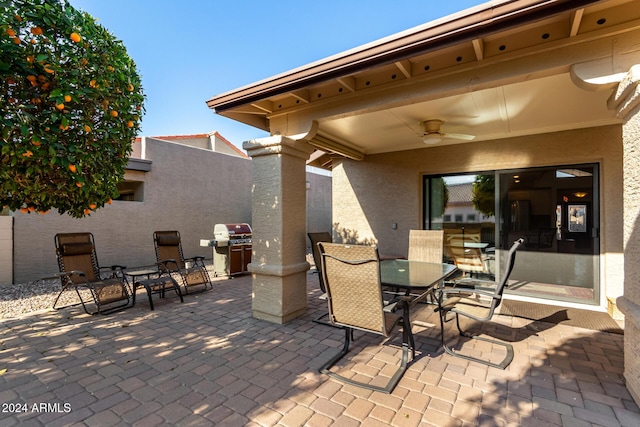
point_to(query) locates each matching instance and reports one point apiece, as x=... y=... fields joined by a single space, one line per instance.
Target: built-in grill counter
x=231 y=248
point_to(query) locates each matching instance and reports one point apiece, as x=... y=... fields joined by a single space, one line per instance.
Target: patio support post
x=278 y=265
x=626 y=101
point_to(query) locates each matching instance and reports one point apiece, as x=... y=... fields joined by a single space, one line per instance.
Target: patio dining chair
x=426 y=246
x=170 y=259
x=479 y=304
x=105 y=288
x=316 y=238
x=352 y=279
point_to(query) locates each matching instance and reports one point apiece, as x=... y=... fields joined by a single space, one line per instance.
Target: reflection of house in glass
x=460 y=208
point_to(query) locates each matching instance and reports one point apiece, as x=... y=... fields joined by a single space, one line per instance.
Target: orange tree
x=70 y=108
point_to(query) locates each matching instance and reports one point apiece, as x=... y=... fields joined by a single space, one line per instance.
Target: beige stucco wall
x=371 y=195
x=318 y=203
x=6 y=248
x=188 y=189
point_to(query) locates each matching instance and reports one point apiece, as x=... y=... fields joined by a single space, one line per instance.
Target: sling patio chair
x=352 y=278
x=171 y=260
x=478 y=303
x=426 y=246
x=316 y=238
x=105 y=288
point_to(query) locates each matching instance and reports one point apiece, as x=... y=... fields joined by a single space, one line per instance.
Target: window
x=131 y=191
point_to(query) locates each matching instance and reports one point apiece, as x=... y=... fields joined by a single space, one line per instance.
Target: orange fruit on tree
x=36 y=142
x=87 y=128
x=129 y=124
x=72 y=168
x=48 y=69
x=92 y=83
x=17 y=40
x=92 y=206
x=75 y=37
x=67 y=98
x=109 y=201
x=78 y=184
x=86 y=211
x=130 y=87
x=36 y=31
x=60 y=106
x=24 y=210
x=113 y=113
x=10 y=32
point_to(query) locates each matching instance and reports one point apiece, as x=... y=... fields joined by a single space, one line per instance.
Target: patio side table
x=155 y=285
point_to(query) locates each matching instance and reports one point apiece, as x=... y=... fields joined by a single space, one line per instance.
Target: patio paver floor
x=209 y=362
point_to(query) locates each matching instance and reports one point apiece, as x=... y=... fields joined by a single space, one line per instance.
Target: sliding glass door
x=554 y=209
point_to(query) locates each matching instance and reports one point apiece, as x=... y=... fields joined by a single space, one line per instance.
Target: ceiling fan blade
x=461 y=136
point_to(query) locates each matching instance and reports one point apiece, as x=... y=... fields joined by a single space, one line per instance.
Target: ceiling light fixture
x=432 y=138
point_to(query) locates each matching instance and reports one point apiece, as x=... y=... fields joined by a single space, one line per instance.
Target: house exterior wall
x=372 y=195
x=318 y=203
x=188 y=189
x=6 y=248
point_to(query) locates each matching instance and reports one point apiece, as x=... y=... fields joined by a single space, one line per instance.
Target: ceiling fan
x=433 y=135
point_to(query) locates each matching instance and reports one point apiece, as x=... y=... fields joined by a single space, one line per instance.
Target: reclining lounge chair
x=170 y=259
x=80 y=271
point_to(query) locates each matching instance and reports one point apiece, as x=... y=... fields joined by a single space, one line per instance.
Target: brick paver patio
x=209 y=362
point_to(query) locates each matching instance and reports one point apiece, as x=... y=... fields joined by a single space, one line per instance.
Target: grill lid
x=232 y=231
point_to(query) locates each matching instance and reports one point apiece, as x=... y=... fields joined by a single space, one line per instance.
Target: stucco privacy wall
x=188 y=189
x=369 y=196
x=318 y=203
x=6 y=248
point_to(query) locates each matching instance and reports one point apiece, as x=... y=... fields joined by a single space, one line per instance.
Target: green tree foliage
x=483 y=193
x=69 y=111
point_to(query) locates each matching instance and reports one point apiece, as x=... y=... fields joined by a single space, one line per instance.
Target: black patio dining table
x=418 y=278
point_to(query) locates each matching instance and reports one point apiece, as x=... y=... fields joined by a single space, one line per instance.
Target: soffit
x=543 y=102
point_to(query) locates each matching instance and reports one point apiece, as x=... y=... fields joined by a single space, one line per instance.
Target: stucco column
x=278 y=265
x=626 y=100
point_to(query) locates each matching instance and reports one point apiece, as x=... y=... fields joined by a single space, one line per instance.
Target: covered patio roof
x=497 y=70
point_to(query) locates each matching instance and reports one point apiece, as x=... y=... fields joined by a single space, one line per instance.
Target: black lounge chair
x=171 y=260
x=106 y=288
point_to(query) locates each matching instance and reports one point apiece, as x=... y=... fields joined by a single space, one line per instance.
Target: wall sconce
x=580 y=194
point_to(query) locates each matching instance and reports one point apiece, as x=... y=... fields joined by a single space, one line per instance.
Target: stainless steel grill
x=231 y=248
